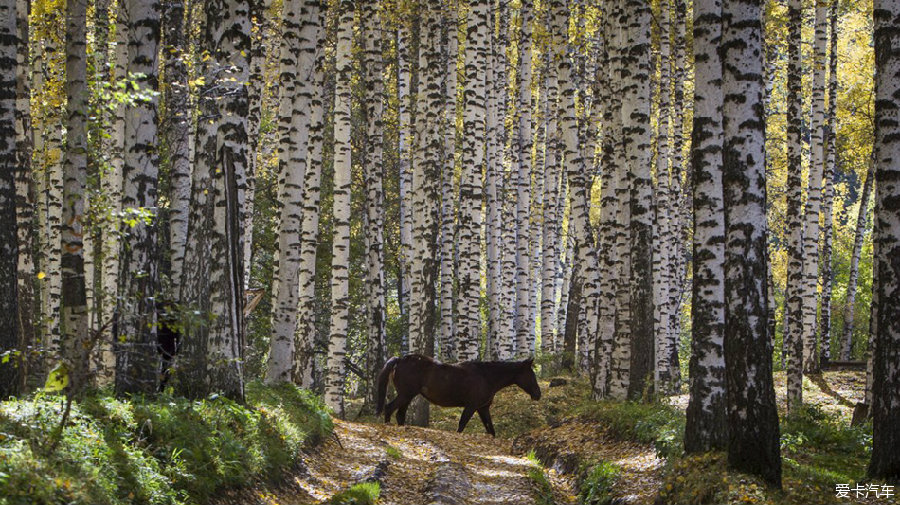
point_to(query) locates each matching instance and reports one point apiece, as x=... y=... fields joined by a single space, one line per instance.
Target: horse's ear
x=529 y=361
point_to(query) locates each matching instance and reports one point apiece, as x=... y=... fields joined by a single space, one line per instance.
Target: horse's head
x=526 y=379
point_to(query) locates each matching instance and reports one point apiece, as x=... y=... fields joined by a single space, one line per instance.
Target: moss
x=163 y=450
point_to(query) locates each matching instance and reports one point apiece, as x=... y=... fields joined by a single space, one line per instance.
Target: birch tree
x=26 y=192
x=665 y=244
x=175 y=130
x=550 y=222
x=752 y=415
x=858 y=237
x=793 y=335
x=9 y=167
x=470 y=195
x=885 y=462
x=812 y=230
x=425 y=192
x=494 y=201
x=48 y=66
x=706 y=428
x=524 y=322
x=305 y=332
x=405 y=137
x=448 y=201
x=74 y=301
x=297 y=55
x=136 y=358
x=823 y=330
x=212 y=353
x=374 y=173
x=340 y=259
x=636 y=131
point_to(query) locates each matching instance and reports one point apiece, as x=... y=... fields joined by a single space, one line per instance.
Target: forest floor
x=566 y=449
x=416 y=466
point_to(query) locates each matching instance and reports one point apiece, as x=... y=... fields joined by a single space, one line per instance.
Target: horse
x=470 y=385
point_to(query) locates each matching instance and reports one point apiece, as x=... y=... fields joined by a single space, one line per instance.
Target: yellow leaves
x=57 y=379
x=200 y=81
x=41 y=275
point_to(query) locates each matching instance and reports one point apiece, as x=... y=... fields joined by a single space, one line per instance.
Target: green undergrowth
x=819 y=450
x=365 y=493
x=543 y=490
x=161 y=450
x=653 y=423
x=596 y=482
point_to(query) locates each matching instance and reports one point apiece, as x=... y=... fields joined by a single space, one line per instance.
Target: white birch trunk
x=297 y=55
x=340 y=262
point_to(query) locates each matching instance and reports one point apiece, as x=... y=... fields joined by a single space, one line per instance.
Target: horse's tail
x=384 y=377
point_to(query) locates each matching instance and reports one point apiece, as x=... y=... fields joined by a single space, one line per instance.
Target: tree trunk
x=340 y=256
x=74 y=300
x=824 y=327
x=706 y=427
x=551 y=222
x=859 y=236
x=305 y=332
x=448 y=336
x=111 y=181
x=297 y=55
x=405 y=138
x=609 y=207
x=176 y=131
x=796 y=287
x=523 y=144
x=814 y=193
x=494 y=201
x=470 y=195
x=885 y=463
x=9 y=170
x=136 y=356
x=752 y=415
x=49 y=67
x=25 y=197
x=636 y=130
x=212 y=355
x=665 y=244
x=425 y=193
x=374 y=175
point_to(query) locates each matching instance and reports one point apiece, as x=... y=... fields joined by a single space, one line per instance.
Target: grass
x=164 y=450
x=654 y=423
x=393 y=452
x=365 y=493
x=543 y=488
x=596 y=483
x=819 y=450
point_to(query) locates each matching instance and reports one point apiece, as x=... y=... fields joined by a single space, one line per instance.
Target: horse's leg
x=485 y=414
x=389 y=410
x=464 y=418
x=401 y=410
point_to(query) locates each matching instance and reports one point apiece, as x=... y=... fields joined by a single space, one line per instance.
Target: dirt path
x=414 y=466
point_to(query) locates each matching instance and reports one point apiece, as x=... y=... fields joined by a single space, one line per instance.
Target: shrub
x=164 y=450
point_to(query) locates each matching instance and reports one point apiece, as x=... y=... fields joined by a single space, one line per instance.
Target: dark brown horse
x=471 y=385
